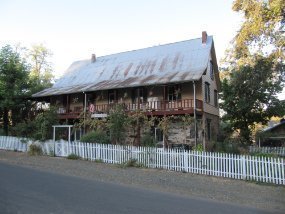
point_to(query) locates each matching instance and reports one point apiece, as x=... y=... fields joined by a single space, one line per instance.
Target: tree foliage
x=249 y=96
x=41 y=72
x=13 y=85
x=20 y=77
x=254 y=66
x=40 y=128
x=262 y=30
x=117 y=123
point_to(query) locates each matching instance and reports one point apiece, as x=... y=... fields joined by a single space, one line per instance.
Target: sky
x=74 y=29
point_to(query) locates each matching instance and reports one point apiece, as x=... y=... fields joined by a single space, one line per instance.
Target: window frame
x=207 y=92
x=212 y=70
x=172 y=94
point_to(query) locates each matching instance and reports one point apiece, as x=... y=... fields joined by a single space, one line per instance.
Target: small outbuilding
x=274 y=136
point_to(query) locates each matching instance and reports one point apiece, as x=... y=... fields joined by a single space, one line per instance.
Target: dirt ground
x=262 y=196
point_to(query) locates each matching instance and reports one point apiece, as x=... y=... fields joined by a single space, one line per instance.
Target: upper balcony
x=151 y=107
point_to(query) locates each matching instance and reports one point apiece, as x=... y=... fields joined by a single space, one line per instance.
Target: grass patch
x=73 y=157
x=131 y=163
x=99 y=161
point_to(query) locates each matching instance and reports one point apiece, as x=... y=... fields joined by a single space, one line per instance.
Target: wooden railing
x=151 y=106
x=162 y=105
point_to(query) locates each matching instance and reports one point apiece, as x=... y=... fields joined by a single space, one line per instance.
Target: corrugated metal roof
x=170 y=63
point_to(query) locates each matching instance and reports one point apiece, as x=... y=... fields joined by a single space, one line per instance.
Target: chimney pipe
x=204 y=37
x=93 y=58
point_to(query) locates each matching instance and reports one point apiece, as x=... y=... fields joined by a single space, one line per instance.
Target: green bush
x=148 y=140
x=227 y=147
x=198 y=148
x=131 y=163
x=35 y=150
x=38 y=129
x=73 y=157
x=95 y=137
x=265 y=155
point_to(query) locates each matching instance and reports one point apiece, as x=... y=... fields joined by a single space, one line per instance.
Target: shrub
x=118 y=122
x=35 y=150
x=227 y=147
x=95 y=137
x=148 y=140
x=131 y=163
x=38 y=129
x=73 y=157
x=198 y=148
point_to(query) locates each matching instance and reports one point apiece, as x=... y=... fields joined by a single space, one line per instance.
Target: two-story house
x=172 y=79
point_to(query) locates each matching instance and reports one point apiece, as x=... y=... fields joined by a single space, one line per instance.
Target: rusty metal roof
x=170 y=63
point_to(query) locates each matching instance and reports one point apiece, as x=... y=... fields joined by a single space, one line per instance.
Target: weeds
x=35 y=150
x=73 y=157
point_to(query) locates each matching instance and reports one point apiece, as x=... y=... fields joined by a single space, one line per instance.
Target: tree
x=118 y=123
x=41 y=69
x=262 y=30
x=249 y=96
x=254 y=66
x=13 y=84
x=40 y=128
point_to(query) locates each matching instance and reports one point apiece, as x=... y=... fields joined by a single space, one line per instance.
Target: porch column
x=85 y=106
x=195 y=117
x=54 y=141
x=164 y=97
x=67 y=103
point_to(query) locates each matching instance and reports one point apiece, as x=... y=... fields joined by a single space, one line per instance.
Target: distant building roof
x=282 y=123
x=170 y=63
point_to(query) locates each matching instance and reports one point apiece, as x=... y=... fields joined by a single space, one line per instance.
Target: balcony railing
x=154 y=106
x=157 y=107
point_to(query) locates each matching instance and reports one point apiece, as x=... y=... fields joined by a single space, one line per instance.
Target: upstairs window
x=211 y=70
x=139 y=95
x=174 y=92
x=112 y=97
x=207 y=92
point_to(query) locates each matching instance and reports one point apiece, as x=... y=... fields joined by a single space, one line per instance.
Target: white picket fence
x=268 y=150
x=261 y=169
x=13 y=143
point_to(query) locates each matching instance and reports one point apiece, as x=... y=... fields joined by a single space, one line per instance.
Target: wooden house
x=180 y=78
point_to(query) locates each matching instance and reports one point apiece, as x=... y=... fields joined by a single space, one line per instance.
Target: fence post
x=185 y=160
x=243 y=167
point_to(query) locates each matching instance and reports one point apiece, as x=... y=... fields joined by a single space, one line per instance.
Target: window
x=216 y=98
x=174 y=92
x=207 y=92
x=158 y=134
x=112 y=96
x=138 y=95
x=208 y=128
x=211 y=70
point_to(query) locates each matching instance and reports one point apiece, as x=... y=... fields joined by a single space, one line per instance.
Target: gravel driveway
x=263 y=196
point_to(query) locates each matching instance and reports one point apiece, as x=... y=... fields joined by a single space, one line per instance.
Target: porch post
x=85 y=103
x=195 y=117
x=54 y=141
x=67 y=103
x=164 y=97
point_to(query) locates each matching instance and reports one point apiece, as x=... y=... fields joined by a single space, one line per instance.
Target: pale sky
x=74 y=29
